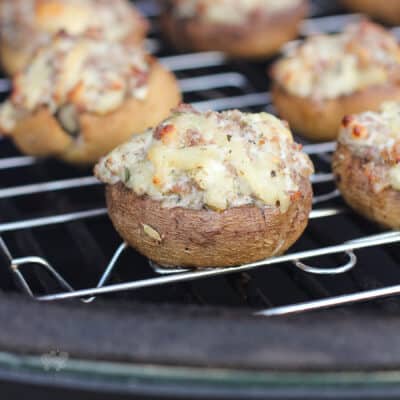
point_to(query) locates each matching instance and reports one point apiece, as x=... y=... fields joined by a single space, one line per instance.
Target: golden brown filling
x=375 y=137
x=214 y=160
x=229 y=11
x=328 y=66
x=29 y=23
x=77 y=74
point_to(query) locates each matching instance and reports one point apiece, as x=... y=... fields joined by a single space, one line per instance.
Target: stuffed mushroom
x=209 y=189
x=80 y=97
x=26 y=25
x=326 y=77
x=366 y=164
x=240 y=28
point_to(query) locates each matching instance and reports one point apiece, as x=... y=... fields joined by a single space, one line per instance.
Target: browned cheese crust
x=205 y=238
x=260 y=39
x=40 y=134
x=319 y=120
x=15 y=59
x=387 y=11
x=356 y=189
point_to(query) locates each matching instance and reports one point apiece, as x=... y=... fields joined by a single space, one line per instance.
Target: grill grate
x=54 y=230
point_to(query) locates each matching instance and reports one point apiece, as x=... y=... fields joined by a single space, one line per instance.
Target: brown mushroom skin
x=319 y=120
x=204 y=238
x=41 y=134
x=356 y=189
x=13 y=60
x=387 y=11
x=255 y=40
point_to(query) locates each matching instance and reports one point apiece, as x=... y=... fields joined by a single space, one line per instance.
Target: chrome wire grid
x=213 y=84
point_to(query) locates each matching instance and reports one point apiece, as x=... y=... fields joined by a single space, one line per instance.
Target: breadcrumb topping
x=375 y=137
x=329 y=66
x=213 y=160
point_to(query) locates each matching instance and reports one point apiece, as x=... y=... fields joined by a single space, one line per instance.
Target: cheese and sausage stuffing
x=375 y=137
x=230 y=12
x=211 y=160
x=77 y=74
x=31 y=23
x=329 y=66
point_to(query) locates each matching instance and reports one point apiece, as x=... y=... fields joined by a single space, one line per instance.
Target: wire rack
x=214 y=97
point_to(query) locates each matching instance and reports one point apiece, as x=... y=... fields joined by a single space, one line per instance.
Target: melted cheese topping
x=217 y=160
x=376 y=138
x=91 y=75
x=228 y=11
x=328 y=66
x=29 y=23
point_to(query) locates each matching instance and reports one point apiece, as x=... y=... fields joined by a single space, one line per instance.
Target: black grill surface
x=203 y=323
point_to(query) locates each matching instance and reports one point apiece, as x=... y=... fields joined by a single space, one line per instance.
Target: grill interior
x=81 y=249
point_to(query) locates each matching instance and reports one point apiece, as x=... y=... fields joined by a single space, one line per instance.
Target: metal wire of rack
x=206 y=82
